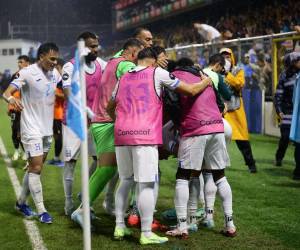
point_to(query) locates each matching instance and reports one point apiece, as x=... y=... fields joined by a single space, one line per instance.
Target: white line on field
x=31 y=227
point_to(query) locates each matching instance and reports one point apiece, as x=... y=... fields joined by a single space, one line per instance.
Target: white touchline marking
x=30 y=225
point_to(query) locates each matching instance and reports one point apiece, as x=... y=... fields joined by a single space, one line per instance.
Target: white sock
x=210 y=191
x=181 y=201
x=56 y=158
x=36 y=191
x=194 y=190
x=156 y=191
x=110 y=191
x=121 y=200
x=201 y=193
x=25 y=190
x=226 y=196
x=145 y=202
x=92 y=168
x=68 y=177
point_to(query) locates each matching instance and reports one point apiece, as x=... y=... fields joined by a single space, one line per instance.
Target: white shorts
x=170 y=137
x=227 y=131
x=37 y=146
x=71 y=144
x=203 y=152
x=138 y=161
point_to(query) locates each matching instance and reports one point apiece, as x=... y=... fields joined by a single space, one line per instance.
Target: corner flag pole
x=84 y=155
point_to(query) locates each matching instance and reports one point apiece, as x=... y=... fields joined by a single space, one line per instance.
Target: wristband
x=9 y=98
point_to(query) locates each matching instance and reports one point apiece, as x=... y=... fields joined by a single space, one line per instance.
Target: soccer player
x=93 y=67
x=215 y=67
x=138 y=132
x=102 y=126
x=202 y=145
x=15 y=115
x=37 y=84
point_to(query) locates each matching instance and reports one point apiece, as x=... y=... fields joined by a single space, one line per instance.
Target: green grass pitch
x=266 y=206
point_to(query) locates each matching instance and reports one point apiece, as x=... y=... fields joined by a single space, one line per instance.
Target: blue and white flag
x=74 y=108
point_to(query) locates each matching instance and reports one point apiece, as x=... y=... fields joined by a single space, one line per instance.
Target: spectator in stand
x=203 y=59
x=226 y=34
x=251 y=72
x=209 y=33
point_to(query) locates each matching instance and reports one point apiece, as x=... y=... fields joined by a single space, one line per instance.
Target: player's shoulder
x=68 y=66
x=158 y=71
x=31 y=70
x=101 y=62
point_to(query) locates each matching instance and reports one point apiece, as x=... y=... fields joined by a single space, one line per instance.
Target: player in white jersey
x=37 y=84
x=93 y=67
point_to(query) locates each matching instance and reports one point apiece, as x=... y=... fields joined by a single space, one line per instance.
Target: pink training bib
x=92 y=82
x=138 y=110
x=104 y=91
x=200 y=114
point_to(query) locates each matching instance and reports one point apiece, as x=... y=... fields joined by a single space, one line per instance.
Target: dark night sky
x=57 y=11
x=53 y=12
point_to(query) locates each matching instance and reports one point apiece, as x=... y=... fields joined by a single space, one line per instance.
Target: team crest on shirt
x=65 y=76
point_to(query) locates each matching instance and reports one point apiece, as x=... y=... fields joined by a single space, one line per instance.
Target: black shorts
x=15 y=118
x=57 y=127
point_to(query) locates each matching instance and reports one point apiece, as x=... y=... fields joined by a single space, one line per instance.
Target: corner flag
x=74 y=108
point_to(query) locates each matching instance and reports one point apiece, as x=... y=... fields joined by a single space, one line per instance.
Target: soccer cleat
x=76 y=216
x=25 y=210
x=16 y=155
x=208 y=223
x=229 y=231
x=193 y=227
x=278 y=163
x=153 y=239
x=120 y=233
x=252 y=169
x=133 y=219
x=45 y=218
x=182 y=234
